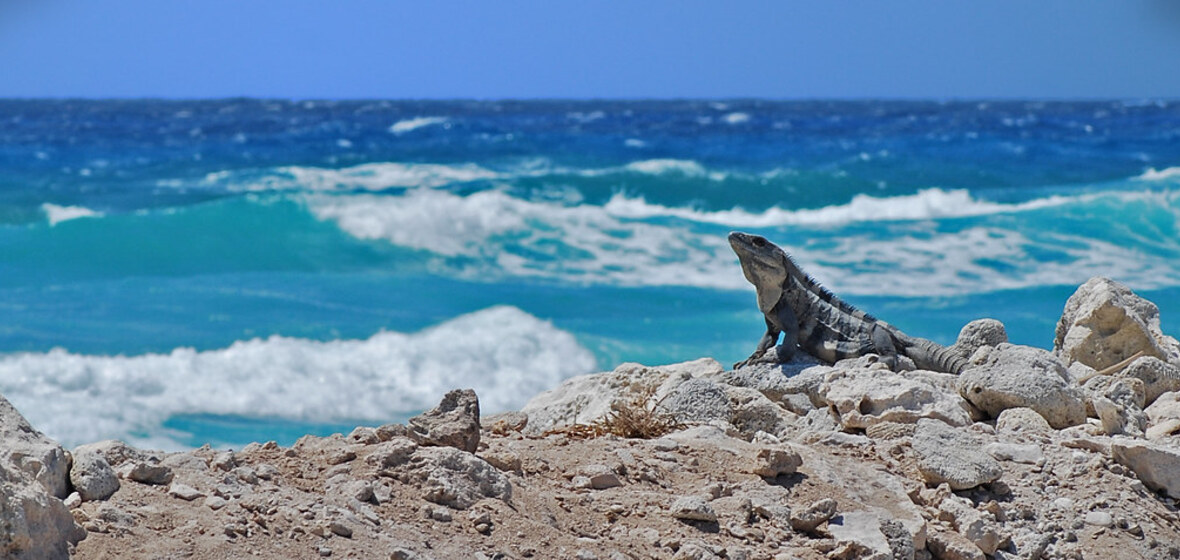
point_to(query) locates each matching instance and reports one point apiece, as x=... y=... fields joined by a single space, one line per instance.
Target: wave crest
x=503 y=353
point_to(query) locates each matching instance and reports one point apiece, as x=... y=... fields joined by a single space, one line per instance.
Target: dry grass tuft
x=638 y=417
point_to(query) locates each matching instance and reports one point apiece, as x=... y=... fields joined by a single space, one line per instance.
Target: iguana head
x=764 y=264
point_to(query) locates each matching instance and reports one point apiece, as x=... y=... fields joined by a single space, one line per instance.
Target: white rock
x=977 y=334
x=952 y=456
x=1158 y=376
x=1099 y=518
x=453 y=423
x=863 y=397
x=1029 y=454
x=862 y=528
x=1022 y=419
x=92 y=476
x=1009 y=376
x=29 y=451
x=1163 y=416
x=184 y=492
x=1104 y=323
x=456 y=478
x=1157 y=466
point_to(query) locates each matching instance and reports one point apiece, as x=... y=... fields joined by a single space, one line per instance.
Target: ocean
x=175 y=273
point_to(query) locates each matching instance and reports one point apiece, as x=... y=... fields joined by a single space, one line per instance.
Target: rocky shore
x=1070 y=453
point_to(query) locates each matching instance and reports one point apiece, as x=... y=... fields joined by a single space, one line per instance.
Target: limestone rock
x=1163 y=416
x=1029 y=454
x=586 y=398
x=392 y=453
x=453 y=423
x=145 y=472
x=696 y=400
x=1022 y=419
x=808 y=519
x=114 y=451
x=752 y=412
x=1156 y=465
x=863 y=397
x=949 y=545
x=34 y=475
x=1158 y=376
x=771 y=462
x=92 y=476
x=1009 y=376
x=1105 y=323
x=693 y=508
x=977 y=334
x=455 y=478
x=28 y=450
x=979 y=528
x=863 y=529
x=952 y=456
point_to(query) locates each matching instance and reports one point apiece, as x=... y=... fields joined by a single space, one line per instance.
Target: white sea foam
x=505 y=354
x=666 y=166
x=408 y=125
x=1160 y=175
x=736 y=118
x=369 y=176
x=499 y=235
x=923 y=205
x=57 y=214
x=629 y=242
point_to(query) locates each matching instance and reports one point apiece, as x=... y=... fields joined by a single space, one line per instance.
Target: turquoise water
x=176 y=272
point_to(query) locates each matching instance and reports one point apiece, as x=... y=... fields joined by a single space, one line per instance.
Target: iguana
x=817 y=321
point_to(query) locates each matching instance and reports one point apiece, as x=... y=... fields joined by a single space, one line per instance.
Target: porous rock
x=1158 y=376
x=1010 y=376
x=1157 y=466
x=863 y=397
x=692 y=508
x=752 y=412
x=1163 y=416
x=586 y=398
x=949 y=545
x=862 y=529
x=453 y=423
x=1105 y=323
x=1118 y=404
x=696 y=400
x=28 y=450
x=34 y=522
x=808 y=519
x=952 y=456
x=92 y=476
x=146 y=472
x=977 y=334
x=455 y=478
x=1022 y=419
x=977 y=527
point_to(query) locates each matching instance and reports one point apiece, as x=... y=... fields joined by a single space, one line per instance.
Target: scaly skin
x=801 y=310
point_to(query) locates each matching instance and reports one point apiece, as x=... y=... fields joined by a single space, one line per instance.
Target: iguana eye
x=759 y=241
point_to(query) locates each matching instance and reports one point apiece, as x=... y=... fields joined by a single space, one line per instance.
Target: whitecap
x=505 y=354
x=57 y=214
x=408 y=125
x=369 y=176
x=667 y=167
x=1153 y=174
x=924 y=205
x=736 y=118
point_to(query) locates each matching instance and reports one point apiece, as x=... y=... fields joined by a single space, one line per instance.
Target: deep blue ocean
x=180 y=272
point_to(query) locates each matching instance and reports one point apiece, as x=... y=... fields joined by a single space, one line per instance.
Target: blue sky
x=590 y=49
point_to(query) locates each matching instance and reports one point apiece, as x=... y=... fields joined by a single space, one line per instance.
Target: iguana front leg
x=782 y=320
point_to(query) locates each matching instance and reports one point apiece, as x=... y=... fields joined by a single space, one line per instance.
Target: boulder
x=455 y=478
x=34 y=476
x=453 y=423
x=952 y=456
x=696 y=400
x=864 y=397
x=1009 y=376
x=1022 y=419
x=1156 y=465
x=862 y=529
x=1105 y=323
x=29 y=451
x=92 y=476
x=977 y=334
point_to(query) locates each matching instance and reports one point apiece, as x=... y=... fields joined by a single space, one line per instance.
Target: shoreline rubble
x=1070 y=453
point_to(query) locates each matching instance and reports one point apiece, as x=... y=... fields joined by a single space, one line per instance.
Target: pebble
x=184 y=491
x=325 y=551
x=1099 y=518
x=693 y=508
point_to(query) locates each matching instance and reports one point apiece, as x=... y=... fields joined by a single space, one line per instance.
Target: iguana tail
x=932 y=356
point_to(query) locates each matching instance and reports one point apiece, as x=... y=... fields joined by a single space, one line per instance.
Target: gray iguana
x=817 y=321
